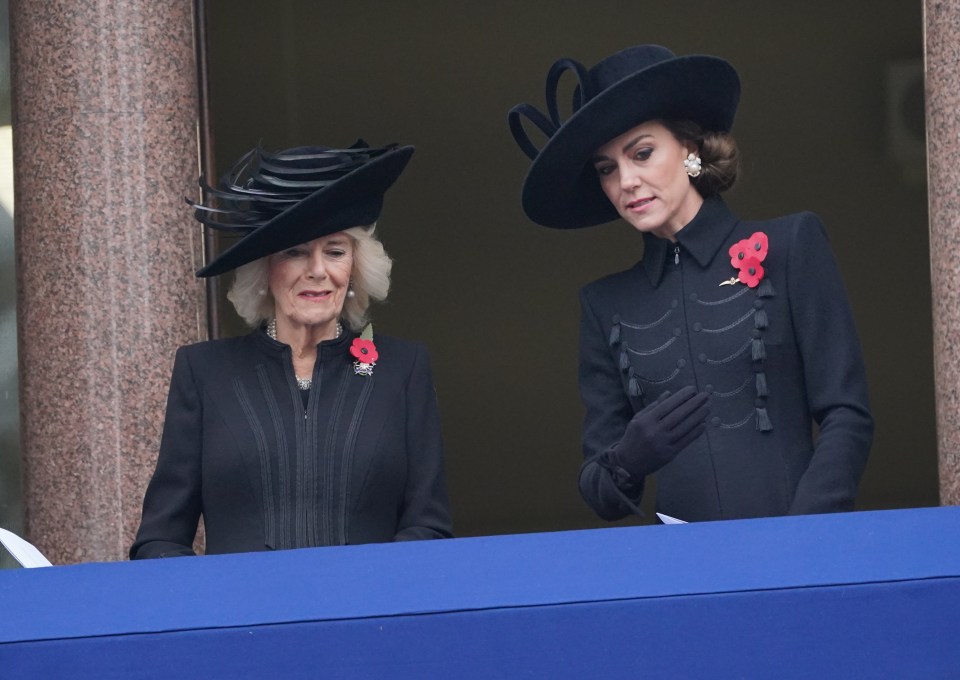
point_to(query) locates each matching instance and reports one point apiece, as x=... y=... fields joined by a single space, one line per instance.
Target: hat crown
x=590 y=84
x=263 y=184
x=624 y=63
x=303 y=168
x=278 y=200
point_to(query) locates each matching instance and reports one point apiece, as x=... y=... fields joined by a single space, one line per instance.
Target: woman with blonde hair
x=311 y=430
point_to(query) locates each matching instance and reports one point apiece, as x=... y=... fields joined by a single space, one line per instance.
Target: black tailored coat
x=774 y=359
x=360 y=463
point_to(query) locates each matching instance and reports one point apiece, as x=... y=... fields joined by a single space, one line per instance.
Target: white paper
x=667 y=519
x=24 y=553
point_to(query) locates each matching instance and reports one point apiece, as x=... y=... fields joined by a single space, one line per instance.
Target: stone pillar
x=942 y=47
x=105 y=129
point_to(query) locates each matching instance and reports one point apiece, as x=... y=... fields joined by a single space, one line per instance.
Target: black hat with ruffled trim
x=635 y=85
x=279 y=200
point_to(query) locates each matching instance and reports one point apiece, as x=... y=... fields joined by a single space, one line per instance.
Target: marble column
x=105 y=130
x=942 y=47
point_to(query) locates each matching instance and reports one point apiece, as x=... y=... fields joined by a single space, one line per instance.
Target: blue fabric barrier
x=856 y=595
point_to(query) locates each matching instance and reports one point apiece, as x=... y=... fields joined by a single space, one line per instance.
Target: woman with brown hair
x=709 y=362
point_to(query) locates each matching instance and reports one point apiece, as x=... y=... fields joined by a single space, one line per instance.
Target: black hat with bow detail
x=280 y=200
x=635 y=85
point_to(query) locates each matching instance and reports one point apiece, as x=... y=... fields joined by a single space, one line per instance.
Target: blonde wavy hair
x=370 y=282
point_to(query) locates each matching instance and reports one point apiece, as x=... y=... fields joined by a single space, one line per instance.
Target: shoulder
x=397 y=346
x=790 y=227
x=399 y=352
x=216 y=359
x=221 y=347
x=402 y=363
x=791 y=237
x=611 y=284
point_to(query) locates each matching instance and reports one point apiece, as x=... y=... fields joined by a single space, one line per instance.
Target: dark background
x=830 y=120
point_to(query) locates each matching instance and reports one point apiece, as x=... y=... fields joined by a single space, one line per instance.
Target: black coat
x=361 y=463
x=774 y=359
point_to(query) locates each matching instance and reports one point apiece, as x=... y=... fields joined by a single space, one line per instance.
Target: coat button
x=708 y=389
x=697 y=327
x=674 y=303
x=693 y=297
x=758 y=304
x=681 y=363
x=702 y=358
x=677 y=332
x=715 y=421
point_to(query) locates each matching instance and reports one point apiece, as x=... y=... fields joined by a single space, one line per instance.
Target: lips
x=314 y=295
x=639 y=203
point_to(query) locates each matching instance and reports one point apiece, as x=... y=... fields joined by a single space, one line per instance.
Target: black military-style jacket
x=775 y=359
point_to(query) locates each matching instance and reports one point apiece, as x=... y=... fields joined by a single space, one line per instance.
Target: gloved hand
x=659 y=432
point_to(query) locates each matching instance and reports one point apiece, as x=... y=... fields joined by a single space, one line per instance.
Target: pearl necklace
x=302 y=383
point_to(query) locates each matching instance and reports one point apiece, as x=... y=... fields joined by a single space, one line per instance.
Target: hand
x=660 y=431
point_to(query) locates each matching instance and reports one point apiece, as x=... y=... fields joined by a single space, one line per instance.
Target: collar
x=702 y=237
x=326 y=348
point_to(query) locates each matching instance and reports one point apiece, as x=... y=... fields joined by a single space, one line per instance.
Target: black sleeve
x=172 y=504
x=426 y=509
x=608 y=411
x=834 y=374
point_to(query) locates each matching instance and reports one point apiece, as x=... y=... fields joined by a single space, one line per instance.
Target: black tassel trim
x=634 y=388
x=763 y=420
x=760 y=322
x=624 y=360
x=615 y=334
x=762 y=385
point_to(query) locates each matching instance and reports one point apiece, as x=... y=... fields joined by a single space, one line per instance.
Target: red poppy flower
x=755 y=247
x=751 y=272
x=364 y=351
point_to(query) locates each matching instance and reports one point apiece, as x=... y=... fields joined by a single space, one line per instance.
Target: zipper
x=315 y=385
x=292 y=381
x=676 y=254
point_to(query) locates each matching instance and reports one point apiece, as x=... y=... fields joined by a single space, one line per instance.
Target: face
x=309 y=282
x=642 y=174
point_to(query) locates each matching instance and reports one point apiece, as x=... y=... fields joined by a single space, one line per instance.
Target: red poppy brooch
x=746 y=257
x=365 y=352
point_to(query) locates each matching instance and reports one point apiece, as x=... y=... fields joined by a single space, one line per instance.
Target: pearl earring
x=693 y=165
x=350 y=291
x=261 y=292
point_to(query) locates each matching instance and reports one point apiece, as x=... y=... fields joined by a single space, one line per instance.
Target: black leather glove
x=657 y=434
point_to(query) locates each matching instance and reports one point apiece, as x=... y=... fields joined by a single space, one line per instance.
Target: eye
x=605 y=169
x=336 y=253
x=293 y=252
x=643 y=153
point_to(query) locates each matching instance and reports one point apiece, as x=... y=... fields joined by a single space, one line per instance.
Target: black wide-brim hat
x=280 y=200
x=628 y=88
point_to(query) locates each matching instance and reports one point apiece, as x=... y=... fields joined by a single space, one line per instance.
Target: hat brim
x=354 y=200
x=562 y=190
